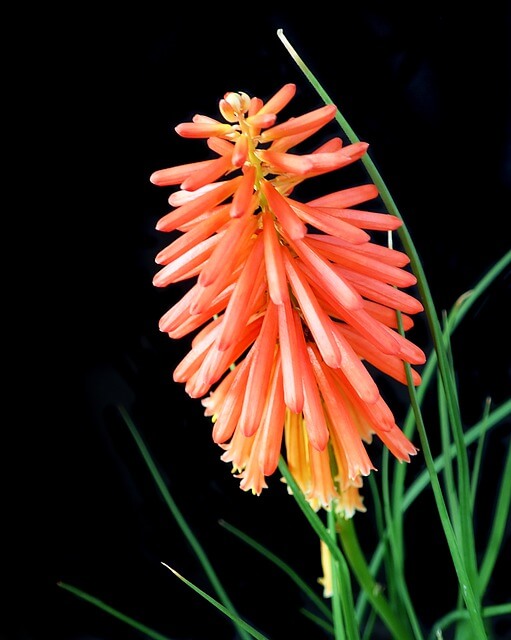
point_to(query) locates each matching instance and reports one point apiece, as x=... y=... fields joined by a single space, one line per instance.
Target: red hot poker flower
x=290 y=301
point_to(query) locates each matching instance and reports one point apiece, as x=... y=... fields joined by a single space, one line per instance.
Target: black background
x=429 y=88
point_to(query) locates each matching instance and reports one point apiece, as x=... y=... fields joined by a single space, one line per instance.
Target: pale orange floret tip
x=291 y=302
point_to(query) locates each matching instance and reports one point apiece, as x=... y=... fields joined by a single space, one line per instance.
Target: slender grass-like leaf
x=422 y=481
x=304 y=586
x=500 y=522
x=478 y=457
x=494 y=419
x=188 y=533
x=320 y=622
x=471 y=601
x=455 y=616
x=402 y=600
x=150 y=633
x=227 y=612
x=394 y=561
x=456 y=315
x=369 y=626
x=458 y=491
x=384 y=555
x=451 y=490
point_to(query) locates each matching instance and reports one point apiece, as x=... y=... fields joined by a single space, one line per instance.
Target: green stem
x=374 y=595
x=358 y=564
x=338 y=592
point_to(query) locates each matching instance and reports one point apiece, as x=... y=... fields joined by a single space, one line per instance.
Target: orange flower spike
x=307 y=122
x=251 y=253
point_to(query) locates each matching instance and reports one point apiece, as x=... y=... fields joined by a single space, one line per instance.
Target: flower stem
x=355 y=559
x=358 y=564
